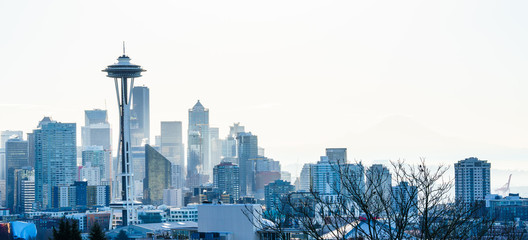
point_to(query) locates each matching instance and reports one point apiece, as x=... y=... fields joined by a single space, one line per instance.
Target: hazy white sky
x=390 y=79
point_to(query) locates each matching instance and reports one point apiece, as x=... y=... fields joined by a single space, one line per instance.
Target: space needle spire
x=123 y=72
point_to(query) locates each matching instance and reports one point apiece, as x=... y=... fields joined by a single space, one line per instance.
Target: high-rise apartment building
x=55 y=158
x=157 y=176
x=96 y=135
x=305 y=179
x=16 y=158
x=226 y=179
x=140 y=116
x=402 y=195
x=247 y=149
x=326 y=179
x=378 y=182
x=275 y=192
x=472 y=179
x=198 y=153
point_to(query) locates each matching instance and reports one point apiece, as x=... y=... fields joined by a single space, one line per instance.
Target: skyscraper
x=9 y=134
x=198 y=153
x=16 y=158
x=378 y=184
x=337 y=155
x=247 y=149
x=229 y=146
x=97 y=132
x=171 y=142
x=226 y=179
x=472 y=179
x=140 y=116
x=157 y=176
x=215 y=146
x=4 y=136
x=55 y=158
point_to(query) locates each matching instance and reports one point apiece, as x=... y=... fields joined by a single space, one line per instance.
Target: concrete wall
x=228 y=218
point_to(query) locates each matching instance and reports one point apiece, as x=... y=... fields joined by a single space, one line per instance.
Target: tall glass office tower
x=157 y=176
x=198 y=153
x=16 y=158
x=140 y=116
x=97 y=133
x=55 y=158
x=247 y=151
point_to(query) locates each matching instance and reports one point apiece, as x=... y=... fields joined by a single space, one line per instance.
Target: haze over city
x=387 y=80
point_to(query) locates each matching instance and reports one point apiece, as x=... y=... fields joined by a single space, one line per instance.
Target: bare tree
x=364 y=205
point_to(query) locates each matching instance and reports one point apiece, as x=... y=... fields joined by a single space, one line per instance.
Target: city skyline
x=464 y=96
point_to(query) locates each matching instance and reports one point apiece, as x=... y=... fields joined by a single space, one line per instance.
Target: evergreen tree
x=96 y=233
x=75 y=233
x=67 y=230
x=64 y=232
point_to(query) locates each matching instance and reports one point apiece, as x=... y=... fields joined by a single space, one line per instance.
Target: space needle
x=123 y=72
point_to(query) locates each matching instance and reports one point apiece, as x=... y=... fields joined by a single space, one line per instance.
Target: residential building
x=472 y=180
x=402 y=195
x=378 y=185
x=274 y=193
x=305 y=178
x=226 y=179
x=55 y=148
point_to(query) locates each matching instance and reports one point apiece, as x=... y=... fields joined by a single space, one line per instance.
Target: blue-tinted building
x=81 y=196
x=55 y=158
x=226 y=177
x=274 y=193
x=16 y=151
x=247 y=150
x=140 y=116
x=198 y=154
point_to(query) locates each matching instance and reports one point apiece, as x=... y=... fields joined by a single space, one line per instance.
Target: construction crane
x=504 y=189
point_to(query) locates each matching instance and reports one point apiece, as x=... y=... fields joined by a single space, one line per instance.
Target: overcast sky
x=394 y=79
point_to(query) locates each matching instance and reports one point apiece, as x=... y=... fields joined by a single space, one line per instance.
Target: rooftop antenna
x=124 y=48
